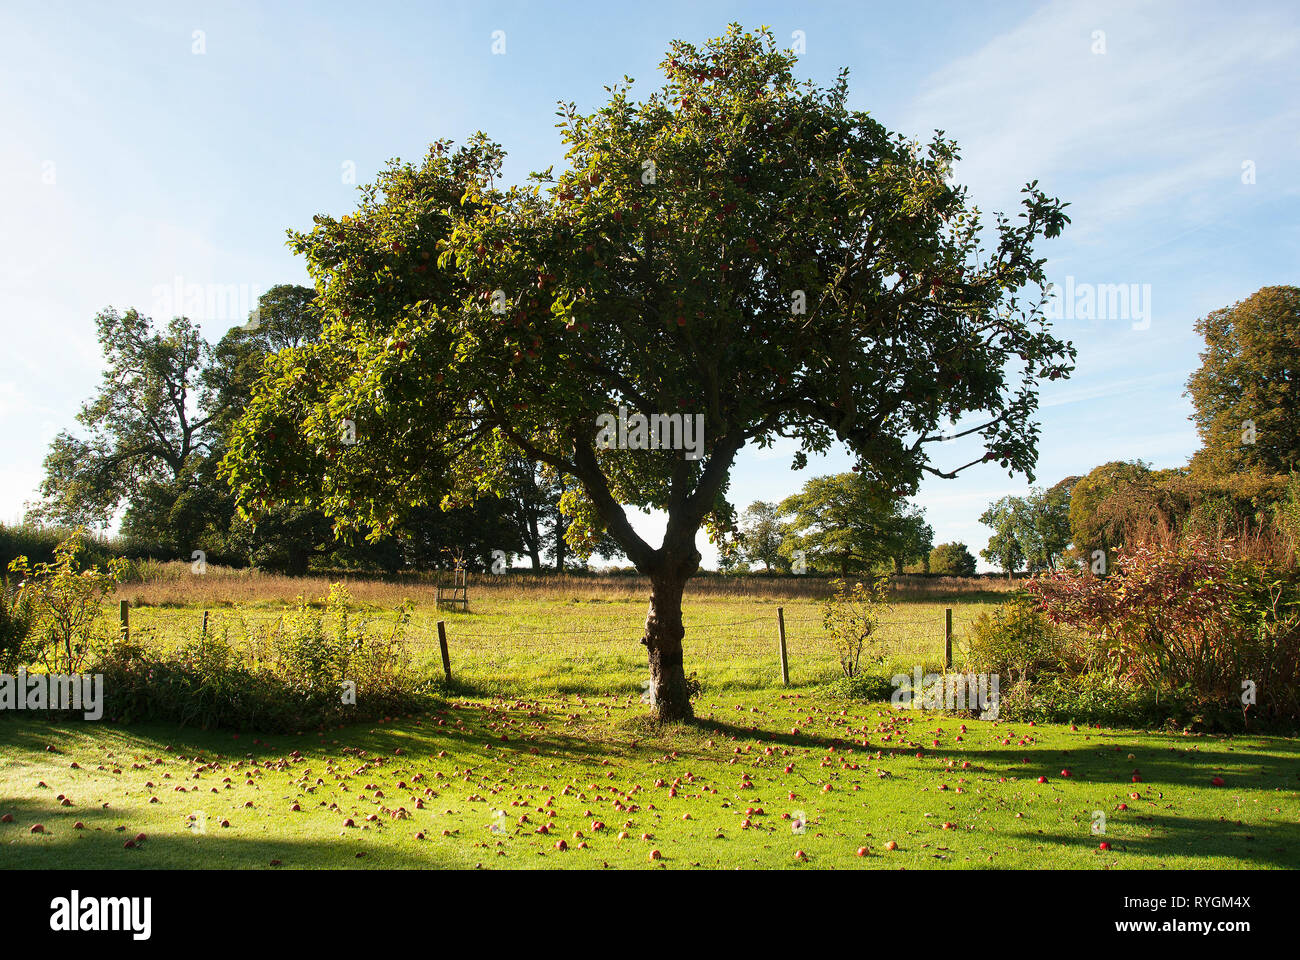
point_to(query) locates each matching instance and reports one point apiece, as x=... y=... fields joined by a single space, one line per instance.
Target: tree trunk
x=560 y=544
x=898 y=565
x=299 y=560
x=669 y=567
x=667 y=692
x=533 y=541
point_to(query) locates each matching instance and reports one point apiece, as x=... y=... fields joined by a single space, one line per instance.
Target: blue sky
x=142 y=143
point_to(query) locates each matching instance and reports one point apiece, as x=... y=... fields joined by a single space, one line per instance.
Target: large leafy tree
x=143 y=429
x=1004 y=518
x=1031 y=531
x=534 y=497
x=287 y=316
x=1051 y=519
x=910 y=539
x=952 y=560
x=1246 y=392
x=851 y=522
x=536 y=505
x=737 y=246
x=760 y=533
x=1040 y=524
x=832 y=523
x=1107 y=504
x=1122 y=504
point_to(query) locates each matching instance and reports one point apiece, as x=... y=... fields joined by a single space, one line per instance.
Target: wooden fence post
x=947 y=635
x=205 y=623
x=442 y=642
x=124 y=614
x=785 y=664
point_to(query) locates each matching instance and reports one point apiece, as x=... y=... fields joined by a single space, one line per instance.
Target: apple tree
x=738 y=247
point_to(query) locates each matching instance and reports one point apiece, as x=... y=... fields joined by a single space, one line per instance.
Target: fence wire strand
x=488 y=646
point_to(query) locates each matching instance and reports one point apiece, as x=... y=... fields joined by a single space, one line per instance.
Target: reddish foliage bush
x=1193 y=616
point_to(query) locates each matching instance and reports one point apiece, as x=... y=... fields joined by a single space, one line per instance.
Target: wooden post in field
x=442 y=642
x=124 y=614
x=785 y=663
x=205 y=623
x=947 y=635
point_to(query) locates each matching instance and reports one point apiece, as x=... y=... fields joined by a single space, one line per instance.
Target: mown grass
x=545 y=726
x=471 y=785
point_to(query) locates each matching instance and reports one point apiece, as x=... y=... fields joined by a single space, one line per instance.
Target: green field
x=548 y=728
x=473 y=784
x=535 y=641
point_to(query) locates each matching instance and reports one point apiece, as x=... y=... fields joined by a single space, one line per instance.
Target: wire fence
x=756 y=645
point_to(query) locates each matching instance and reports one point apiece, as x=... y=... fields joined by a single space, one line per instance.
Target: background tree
x=143 y=428
x=1004 y=550
x=286 y=316
x=761 y=533
x=1051 y=512
x=428 y=537
x=1243 y=503
x=1040 y=524
x=952 y=560
x=909 y=538
x=847 y=522
x=1122 y=504
x=535 y=496
x=536 y=505
x=731 y=558
x=1105 y=505
x=737 y=246
x=1246 y=392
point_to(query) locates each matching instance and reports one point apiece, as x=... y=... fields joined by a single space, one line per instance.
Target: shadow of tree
x=551 y=733
x=1276 y=845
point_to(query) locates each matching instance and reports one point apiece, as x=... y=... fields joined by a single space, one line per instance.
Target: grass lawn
x=479 y=779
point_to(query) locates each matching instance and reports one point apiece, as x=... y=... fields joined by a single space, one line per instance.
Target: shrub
x=17 y=620
x=851 y=615
x=65 y=603
x=1015 y=641
x=318 y=646
x=1082 y=698
x=1286 y=515
x=1188 y=618
x=286 y=678
x=199 y=683
x=861 y=686
x=1096 y=697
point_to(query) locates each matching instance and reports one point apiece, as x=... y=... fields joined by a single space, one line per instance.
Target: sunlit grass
x=533 y=639
x=730 y=791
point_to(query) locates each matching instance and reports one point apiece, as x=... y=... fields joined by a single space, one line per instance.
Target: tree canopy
x=738 y=247
x=1031 y=531
x=1246 y=392
x=142 y=427
x=761 y=534
x=953 y=560
x=1004 y=517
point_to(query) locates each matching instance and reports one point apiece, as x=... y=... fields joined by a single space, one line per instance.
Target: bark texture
x=668 y=692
